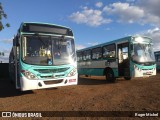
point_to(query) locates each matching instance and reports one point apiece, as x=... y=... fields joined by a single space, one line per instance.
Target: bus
x=127 y=57
x=43 y=56
x=157 y=57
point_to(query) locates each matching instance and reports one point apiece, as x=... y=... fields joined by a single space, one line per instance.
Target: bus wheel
x=127 y=78
x=86 y=75
x=110 y=76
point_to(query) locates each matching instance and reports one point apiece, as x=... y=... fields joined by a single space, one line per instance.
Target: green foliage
x=3 y=15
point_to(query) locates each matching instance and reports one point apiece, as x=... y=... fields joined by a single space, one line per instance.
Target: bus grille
x=52 y=70
x=53 y=81
x=50 y=76
x=147 y=69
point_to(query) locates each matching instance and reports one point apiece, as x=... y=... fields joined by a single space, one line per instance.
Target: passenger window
x=109 y=51
x=97 y=53
x=87 y=55
x=79 y=56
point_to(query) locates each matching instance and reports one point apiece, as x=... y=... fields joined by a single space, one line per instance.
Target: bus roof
x=43 y=23
x=128 y=38
x=157 y=52
x=40 y=27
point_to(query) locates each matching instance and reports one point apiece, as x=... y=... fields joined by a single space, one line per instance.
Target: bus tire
x=86 y=75
x=127 y=78
x=110 y=76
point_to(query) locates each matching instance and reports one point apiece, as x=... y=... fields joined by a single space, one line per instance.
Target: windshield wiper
x=60 y=40
x=39 y=38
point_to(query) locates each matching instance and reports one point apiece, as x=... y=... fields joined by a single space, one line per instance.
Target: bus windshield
x=47 y=50
x=143 y=52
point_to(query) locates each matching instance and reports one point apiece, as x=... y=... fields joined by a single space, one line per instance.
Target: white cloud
x=92 y=44
x=5 y=58
x=125 y=12
x=78 y=47
x=155 y=35
x=151 y=6
x=7 y=41
x=152 y=11
x=141 y=11
x=6 y=48
x=131 y=11
x=99 y=4
x=90 y=17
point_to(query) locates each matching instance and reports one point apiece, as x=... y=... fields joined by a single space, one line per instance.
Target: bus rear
x=44 y=57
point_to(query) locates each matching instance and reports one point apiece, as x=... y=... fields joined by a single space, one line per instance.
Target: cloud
x=7 y=41
x=5 y=58
x=99 y=4
x=151 y=6
x=78 y=47
x=6 y=48
x=92 y=44
x=131 y=11
x=155 y=35
x=124 y=12
x=152 y=11
x=142 y=12
x=89 y=17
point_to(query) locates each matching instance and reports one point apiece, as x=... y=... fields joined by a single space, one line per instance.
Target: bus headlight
x=72 y=73
x=28 y=74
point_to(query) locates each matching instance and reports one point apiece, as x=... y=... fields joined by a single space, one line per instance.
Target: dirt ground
x=91 y=94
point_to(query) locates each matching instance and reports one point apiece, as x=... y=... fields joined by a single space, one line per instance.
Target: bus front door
x=16 y=67
x=123 y=60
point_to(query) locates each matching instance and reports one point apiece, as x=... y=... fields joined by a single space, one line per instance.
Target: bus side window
x=87 y=55
x=79 y=56
x=109 y=51
x=97 y=53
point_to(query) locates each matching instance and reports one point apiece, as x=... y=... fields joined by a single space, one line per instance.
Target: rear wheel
x=127 y=78
x=110 y=76
x=86 y=75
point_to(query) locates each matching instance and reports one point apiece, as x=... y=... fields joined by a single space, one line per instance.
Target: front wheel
x=110 y=76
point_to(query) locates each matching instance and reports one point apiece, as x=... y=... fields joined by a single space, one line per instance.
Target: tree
x=3 y=15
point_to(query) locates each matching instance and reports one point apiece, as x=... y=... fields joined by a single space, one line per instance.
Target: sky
x=92 y=21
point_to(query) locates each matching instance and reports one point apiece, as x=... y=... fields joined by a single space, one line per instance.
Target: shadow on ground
x=8 y=90
x=93 y=81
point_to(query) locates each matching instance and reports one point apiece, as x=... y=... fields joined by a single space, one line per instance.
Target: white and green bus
x=43 y=56
x=157 y=57
x=127 y=57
